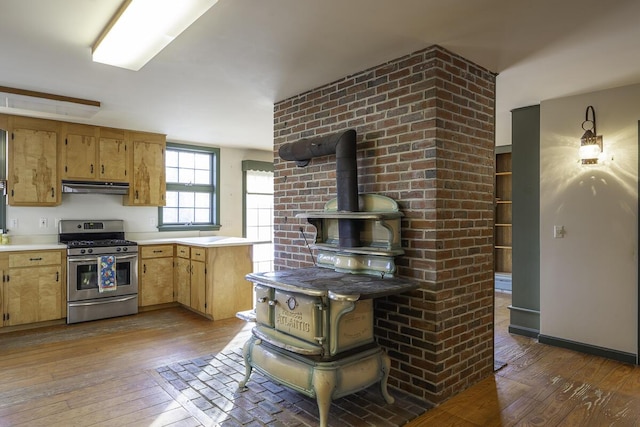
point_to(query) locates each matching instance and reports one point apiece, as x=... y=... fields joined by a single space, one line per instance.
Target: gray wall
x=525 y=146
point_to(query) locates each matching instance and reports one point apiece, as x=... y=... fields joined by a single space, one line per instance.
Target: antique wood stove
x=314 y=326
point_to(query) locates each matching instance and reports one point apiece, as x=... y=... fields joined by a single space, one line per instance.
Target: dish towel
x=106 y=273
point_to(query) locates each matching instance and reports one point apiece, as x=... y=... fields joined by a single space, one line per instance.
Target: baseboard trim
x=608 y=353
x=524 y=331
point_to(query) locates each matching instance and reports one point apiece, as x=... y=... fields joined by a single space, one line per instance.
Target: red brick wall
x=425 y=125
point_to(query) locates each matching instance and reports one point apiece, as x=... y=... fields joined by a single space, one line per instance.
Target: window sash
x=210 y=189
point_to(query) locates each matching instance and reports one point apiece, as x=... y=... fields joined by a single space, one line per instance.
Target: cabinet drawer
x=198 y=254
x=31 y=259
x=182 y=251
x=156 y=251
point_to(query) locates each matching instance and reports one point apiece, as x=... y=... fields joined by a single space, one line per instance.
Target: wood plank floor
x=103 y=374
x=543 y=386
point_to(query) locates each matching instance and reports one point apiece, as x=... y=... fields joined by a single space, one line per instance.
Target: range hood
x=84 y=187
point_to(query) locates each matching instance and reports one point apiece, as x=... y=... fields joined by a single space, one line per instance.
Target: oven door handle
x=103 y=301
x=95 y=257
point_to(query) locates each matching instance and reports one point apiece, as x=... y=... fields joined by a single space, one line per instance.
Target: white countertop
x=205 y=241
x=31 y=247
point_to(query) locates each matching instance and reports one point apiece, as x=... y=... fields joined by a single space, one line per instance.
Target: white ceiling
x=217 y=82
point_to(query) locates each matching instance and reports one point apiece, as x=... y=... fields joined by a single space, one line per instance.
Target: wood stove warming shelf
x=314 y=326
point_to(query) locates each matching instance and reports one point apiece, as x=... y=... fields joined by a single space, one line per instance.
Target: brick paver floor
x=208 y=388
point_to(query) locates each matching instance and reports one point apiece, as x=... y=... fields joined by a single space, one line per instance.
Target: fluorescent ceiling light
x=142 y=28
x=21 y=102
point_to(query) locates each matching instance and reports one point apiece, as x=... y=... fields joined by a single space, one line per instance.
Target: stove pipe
x=343 y=145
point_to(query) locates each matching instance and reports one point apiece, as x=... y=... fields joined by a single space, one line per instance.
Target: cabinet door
x=113 y=155
x=33 y=178
x=148 y=179
x=198 y=286
x=50 y=293
x=78 y=152
x=156 y=281
x=34 y=295
x=22 y=297
x=183 y=281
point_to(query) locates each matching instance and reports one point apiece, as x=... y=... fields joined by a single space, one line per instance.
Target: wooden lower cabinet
x=182 y=283
x=212 y=281
x=228 y=290
x=33 y=287
x=198 y=280
x=190 y=277
x=156 y=275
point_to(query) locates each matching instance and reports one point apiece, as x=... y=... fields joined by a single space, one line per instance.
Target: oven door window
x=87 y=275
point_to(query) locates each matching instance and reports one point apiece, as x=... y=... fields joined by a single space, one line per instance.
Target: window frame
x=254 y=165
x=214 y=223
x=3 y=176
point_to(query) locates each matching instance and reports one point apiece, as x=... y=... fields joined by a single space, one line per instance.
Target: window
x=192 y=197
x=258 y=213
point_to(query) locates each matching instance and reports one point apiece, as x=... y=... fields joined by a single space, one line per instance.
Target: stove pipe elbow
x=343 y=145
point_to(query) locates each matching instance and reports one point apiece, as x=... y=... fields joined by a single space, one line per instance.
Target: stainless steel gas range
x=102 y=269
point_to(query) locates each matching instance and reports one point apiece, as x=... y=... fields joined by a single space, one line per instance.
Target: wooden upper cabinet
x=113 y=155
x=42 y=153
x=78 y=152
x=148 y=182
x=33 y=170
x=91 y=153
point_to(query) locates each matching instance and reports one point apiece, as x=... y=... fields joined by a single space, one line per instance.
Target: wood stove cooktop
x=320 y=281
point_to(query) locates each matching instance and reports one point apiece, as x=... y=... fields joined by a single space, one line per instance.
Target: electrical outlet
x=44 y=222
x=14 y=223
x=152 y=221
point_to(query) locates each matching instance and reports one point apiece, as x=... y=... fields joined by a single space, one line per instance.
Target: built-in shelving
x=503 y=213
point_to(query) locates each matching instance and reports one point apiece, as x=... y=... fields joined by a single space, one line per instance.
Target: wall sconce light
x=591 y=142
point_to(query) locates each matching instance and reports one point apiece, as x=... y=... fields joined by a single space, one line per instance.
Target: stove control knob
x=262 y=299
x=82 y=251
x=118 y=249
x=125 y=249
x=273 y=302
x=90 y=251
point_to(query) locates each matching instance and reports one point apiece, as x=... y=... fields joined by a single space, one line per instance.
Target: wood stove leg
x=324 y=383
x=246 y=350
x=386 y=368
